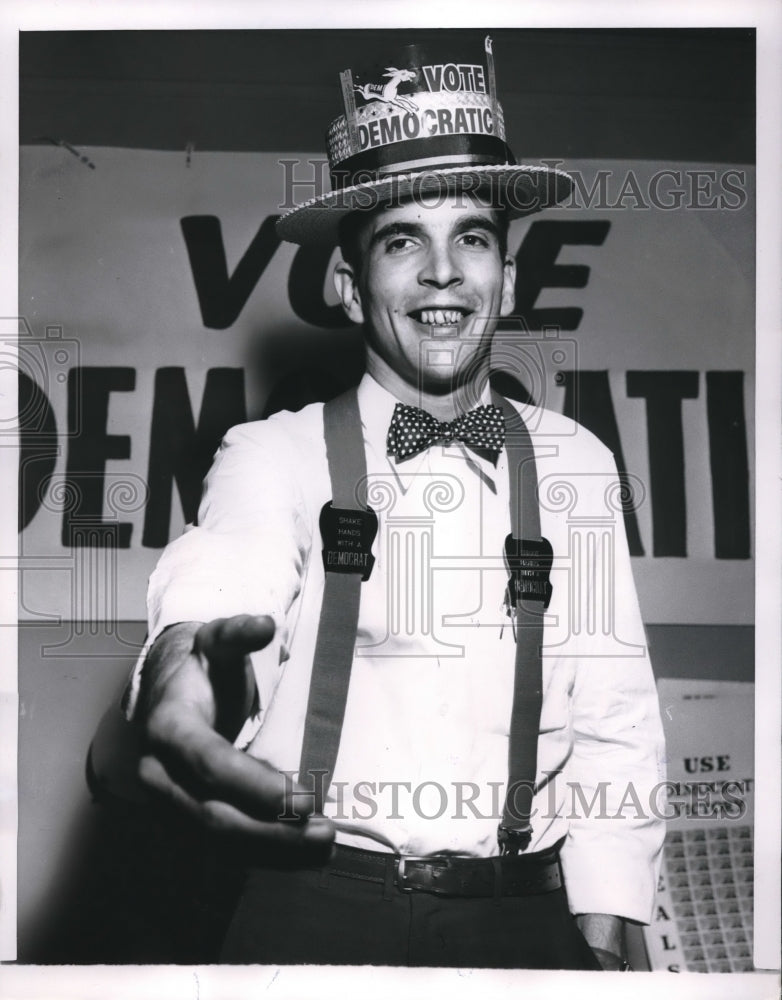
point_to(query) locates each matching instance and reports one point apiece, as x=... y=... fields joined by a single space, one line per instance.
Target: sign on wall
x=158 y=308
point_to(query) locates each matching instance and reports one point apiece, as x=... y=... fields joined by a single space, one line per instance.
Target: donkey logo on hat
x=387 y=92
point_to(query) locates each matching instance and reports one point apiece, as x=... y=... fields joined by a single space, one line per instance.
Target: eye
x=399 y=243
x=475 y=239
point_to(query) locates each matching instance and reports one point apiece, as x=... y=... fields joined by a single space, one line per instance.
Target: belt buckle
x=401 y=874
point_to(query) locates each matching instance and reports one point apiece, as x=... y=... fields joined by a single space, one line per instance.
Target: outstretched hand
x=197 y=689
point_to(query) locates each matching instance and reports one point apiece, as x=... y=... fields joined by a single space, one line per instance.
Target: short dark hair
x=351 y=225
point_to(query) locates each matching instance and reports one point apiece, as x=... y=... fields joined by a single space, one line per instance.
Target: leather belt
x=443 y=875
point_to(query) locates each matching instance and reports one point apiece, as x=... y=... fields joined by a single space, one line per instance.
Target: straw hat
x=424 y=125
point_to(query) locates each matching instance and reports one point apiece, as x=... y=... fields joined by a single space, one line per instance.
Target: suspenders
x=347 y=560
x=348 y=528
x=529 y=561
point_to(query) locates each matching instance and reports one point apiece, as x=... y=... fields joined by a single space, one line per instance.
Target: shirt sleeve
x=246 y=554
x=612 y=853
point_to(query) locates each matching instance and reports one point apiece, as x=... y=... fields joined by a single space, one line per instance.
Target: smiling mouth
x=439 y=317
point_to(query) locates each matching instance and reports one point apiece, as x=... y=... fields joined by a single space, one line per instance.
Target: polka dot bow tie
x=413 y=430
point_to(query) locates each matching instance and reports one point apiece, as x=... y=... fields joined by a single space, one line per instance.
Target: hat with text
x=421 y=127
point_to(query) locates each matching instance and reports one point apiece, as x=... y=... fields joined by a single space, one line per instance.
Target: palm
x=197 y=690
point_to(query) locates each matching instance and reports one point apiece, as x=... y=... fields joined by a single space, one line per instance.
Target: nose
x=441 y=268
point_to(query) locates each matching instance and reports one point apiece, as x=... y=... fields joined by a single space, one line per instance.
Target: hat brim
x=519 y=189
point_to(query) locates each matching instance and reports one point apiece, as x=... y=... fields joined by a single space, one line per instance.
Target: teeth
x=440 y=317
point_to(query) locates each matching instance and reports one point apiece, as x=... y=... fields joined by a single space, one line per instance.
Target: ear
x=346 y=285
x=508 y=301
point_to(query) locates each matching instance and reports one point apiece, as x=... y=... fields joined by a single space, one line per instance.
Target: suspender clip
x=514 y=840
x=347 y=539
x=529 y=564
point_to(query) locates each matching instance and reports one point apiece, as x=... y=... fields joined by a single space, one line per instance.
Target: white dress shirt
x=423 y=756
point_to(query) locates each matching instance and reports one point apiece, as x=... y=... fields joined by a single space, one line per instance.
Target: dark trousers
x=298 y=917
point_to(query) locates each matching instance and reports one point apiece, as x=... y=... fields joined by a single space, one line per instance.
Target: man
x=463 y=738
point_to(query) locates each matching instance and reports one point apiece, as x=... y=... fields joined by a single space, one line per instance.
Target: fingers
x=233 y=638
x=222 y=817
x=208 y=767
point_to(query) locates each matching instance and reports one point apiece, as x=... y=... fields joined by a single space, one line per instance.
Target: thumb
x=224 y=645
x=231 y=639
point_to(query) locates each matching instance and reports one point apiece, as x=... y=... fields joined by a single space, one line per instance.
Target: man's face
x=429 y=287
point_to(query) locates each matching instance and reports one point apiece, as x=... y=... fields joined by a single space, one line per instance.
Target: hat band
x=433 y=153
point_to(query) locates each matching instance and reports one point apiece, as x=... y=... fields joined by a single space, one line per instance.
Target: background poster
x=160 y=308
